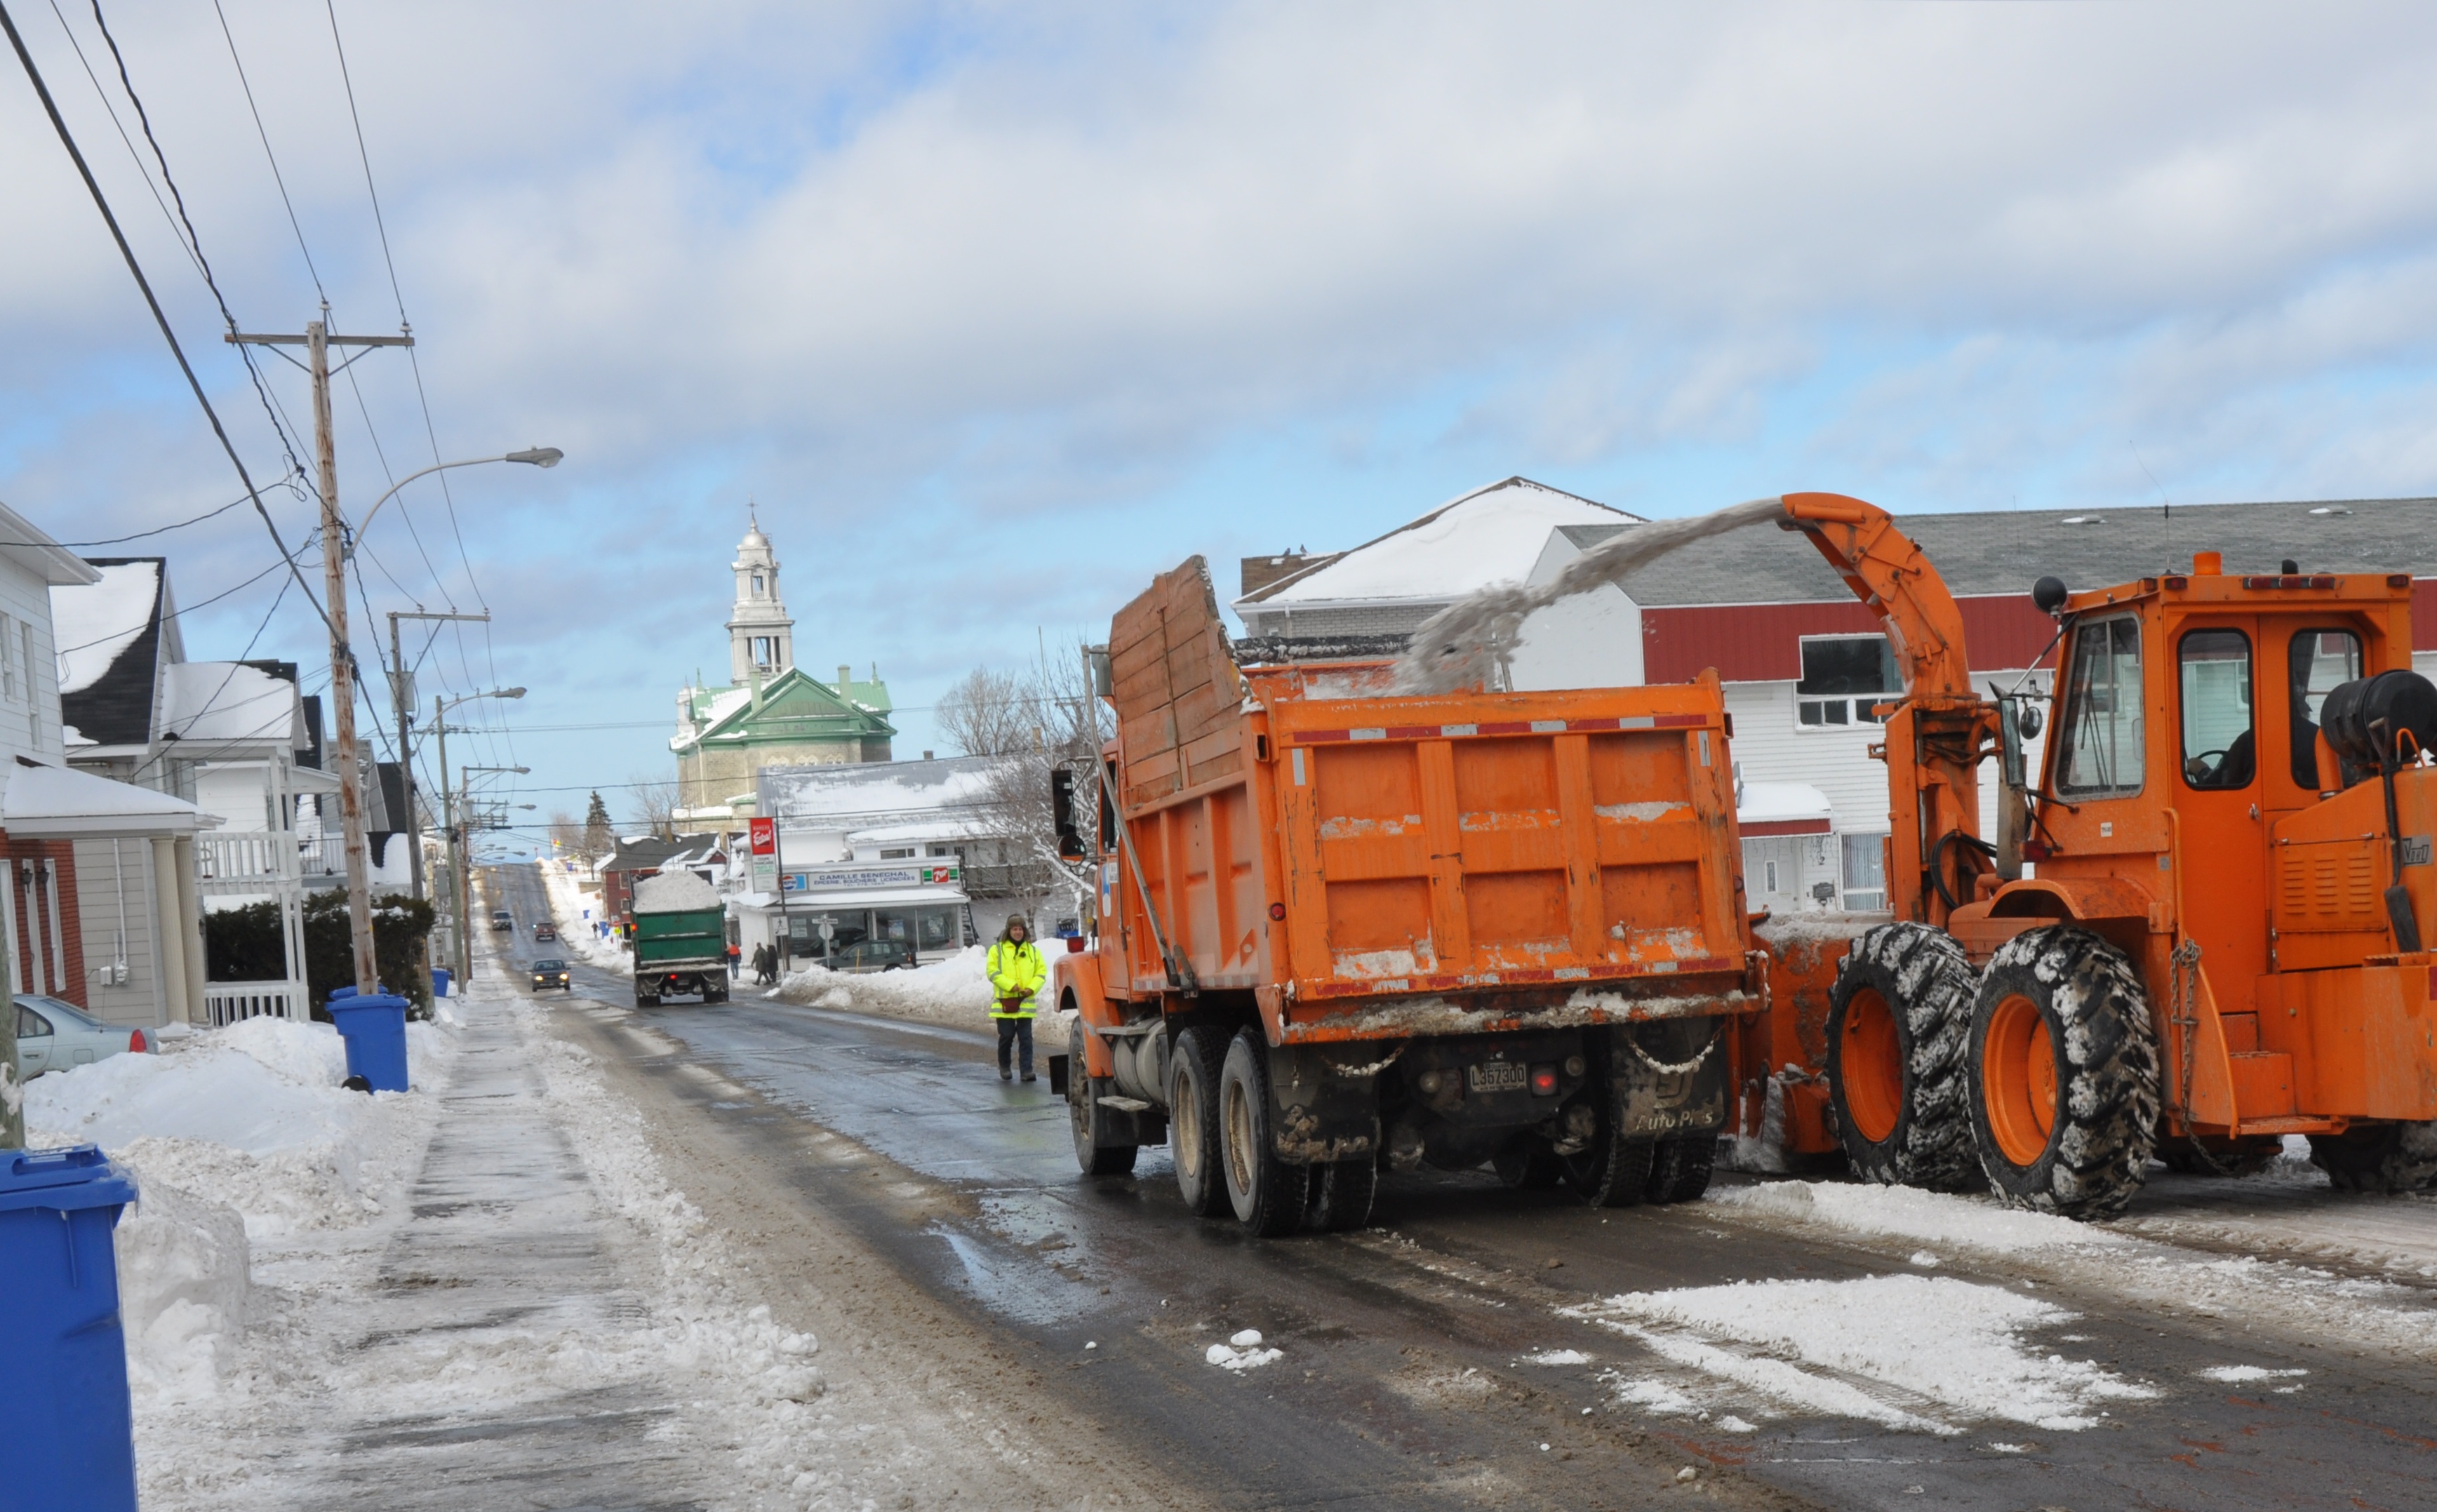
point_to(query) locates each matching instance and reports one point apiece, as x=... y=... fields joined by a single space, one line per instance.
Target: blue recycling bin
x=440 y=980
x=62 y=1356
x=374 y=1025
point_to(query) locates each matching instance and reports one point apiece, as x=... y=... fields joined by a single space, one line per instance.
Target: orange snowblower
x=2219 y=939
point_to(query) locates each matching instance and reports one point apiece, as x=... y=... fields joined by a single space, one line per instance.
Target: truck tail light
x=135 y=1042
x=1278 y=911
x=1544 y=1081
x=2035 y=850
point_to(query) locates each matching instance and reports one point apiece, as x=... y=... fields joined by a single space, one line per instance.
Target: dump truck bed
x=1374 y=866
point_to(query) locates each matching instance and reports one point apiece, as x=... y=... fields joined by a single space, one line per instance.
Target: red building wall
x=33 y=914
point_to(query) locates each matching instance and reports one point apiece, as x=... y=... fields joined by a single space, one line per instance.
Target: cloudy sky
x=995 y=310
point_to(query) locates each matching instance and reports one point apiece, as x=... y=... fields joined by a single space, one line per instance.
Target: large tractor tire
x=1898 y=1021
x=1193 y=1120
x=1085 y=1112
x=1267 y=1194
x=1679 y=1168
x=2387 y=1158
x=2064 y=1073
x=1343 y=1192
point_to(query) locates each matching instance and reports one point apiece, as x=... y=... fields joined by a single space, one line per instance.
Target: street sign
x=829 y=930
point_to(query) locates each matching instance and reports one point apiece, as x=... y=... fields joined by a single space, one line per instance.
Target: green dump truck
x=679 y=940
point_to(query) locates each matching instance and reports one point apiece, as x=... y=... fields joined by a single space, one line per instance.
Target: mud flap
x=1058 y=1076
x=1670 y=1077
x=1317 y=1114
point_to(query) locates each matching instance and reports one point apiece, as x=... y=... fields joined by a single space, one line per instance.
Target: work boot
x=1030 y=1077
x=1005 y=1075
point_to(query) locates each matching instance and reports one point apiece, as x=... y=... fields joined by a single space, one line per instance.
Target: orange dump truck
x=1340 y=931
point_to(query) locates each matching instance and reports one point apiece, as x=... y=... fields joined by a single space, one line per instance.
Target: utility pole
x=316 y=342
x=402 y=697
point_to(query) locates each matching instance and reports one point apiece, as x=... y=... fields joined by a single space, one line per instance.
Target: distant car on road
x=549 y=973
x=873 y=955
x=53 y=1036
x=501 y=918
x=545 y=930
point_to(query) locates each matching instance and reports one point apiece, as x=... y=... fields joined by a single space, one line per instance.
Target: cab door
x=2218 y=784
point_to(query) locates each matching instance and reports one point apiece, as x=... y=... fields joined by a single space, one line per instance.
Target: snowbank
x=946 y=991
x=236 y=1135
x=568 y=903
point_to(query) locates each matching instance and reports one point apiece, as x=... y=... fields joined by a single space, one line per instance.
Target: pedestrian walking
x=1016 y=974
x=735 y=960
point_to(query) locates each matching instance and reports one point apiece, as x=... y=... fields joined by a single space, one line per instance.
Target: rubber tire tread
x=1276 y=1190
x=1192 y=1072
x=1680 y=1168
x=2392 y=1159
x=2098 y=1150
x=1343 y=1193
x=1615 y=1169
x=1923 y=974
x=1084 y=1114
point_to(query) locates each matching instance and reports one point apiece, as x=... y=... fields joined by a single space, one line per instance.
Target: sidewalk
x=520 y=1314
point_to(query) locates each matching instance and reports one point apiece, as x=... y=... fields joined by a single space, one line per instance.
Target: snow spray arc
x=1463 y=644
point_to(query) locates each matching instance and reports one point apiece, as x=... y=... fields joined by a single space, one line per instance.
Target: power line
x=188 y=609
x=276 y=176
x=101 y=202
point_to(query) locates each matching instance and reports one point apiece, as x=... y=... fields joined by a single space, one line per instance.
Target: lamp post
x=440 y=707
x=533 y=456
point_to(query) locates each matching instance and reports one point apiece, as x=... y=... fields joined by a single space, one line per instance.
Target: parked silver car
x=53 y=1036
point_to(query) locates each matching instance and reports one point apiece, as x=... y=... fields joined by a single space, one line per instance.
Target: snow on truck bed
x=675 y=892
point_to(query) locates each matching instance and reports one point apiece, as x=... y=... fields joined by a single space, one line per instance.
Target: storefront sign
x=829 y=878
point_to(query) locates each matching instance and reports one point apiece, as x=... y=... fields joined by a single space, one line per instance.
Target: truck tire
x=2064 y=1073
x=644 y=999
x=1898 y=1021
x=2390 y=1158
x=1613 y=1170
x=1527 y=1164
x=1267 y=1193
x=1193 y=1118
x=1343 y=1192
x=1085 y=1112
x=1679 y=1168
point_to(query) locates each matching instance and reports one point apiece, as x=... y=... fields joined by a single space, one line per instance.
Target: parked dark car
x=549 y=973
x=545 y=930
x=873 y=955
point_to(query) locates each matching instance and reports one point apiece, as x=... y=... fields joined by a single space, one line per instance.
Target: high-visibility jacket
x=1016 y=974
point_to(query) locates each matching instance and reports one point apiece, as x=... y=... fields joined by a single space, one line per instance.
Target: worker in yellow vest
x=1016 y=974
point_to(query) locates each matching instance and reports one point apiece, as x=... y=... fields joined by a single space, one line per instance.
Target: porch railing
x=228 y=1002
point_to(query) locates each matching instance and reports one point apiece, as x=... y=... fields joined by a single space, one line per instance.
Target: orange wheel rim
x=2018 y=1080
x=1870 y=1067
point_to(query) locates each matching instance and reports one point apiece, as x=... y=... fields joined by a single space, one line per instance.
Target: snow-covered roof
x=92 y=623
x=233 y=703
x=1491 y=534
x=884 y=792
x=39 y=801
x=1777 y=802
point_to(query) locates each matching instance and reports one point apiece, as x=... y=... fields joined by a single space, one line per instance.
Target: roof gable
x=109 y=635
x=794 y=706
x=1491 y=534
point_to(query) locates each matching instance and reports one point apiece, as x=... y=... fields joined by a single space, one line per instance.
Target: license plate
x=1495 y=1076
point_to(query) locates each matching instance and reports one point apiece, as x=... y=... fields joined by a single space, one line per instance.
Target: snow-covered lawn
x=568 y=903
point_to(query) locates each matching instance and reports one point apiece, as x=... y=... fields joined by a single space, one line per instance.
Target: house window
x=1865 y=871
x=1771 y=885
x=903 y=853
x=943 y=850
x=8 y=682
x=1843 y=677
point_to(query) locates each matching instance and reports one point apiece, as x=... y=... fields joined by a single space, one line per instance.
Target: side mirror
x=2013 y=765
x=1062 y=813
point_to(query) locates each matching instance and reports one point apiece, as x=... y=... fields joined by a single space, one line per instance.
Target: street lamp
x=534 y=456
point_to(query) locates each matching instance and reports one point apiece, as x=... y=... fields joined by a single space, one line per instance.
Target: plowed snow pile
x=1909 y=1213
x=569 y=903
x=1922 y=1353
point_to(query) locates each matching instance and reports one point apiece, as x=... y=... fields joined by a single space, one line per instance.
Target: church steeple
x=761 y=637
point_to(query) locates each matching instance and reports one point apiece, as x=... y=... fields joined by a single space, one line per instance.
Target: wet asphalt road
x=1402 y=1384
